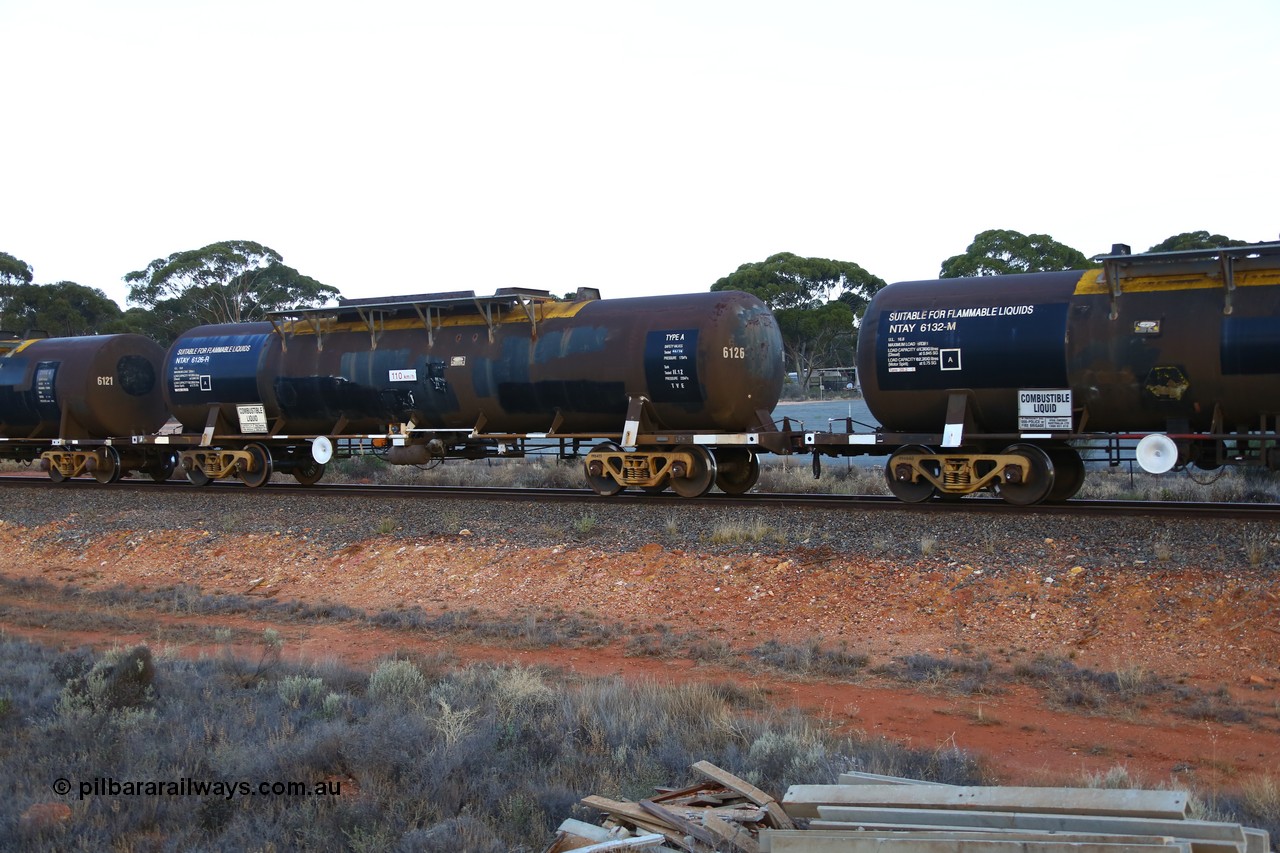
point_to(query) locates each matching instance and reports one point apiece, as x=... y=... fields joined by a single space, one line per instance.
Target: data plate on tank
x=253 y=418
x=1044 y=409
x=46 y=383
x=987 y=346
x=1249 y=345
x=671 y=365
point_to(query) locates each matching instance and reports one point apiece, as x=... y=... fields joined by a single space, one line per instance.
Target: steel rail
x=754 y=500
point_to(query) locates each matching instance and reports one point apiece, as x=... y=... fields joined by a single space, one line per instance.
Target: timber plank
x=857 y=777
x=781 y=819
x=733 y=783
x=1257 y=840
x=803 y=800
x=638 y=842
x=995 y=835
x=687 y=827
x=633 y=814
x=807 y=841
x=1206 y=836
x=735 y=836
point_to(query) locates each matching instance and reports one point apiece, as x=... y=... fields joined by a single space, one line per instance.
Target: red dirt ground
x=1194 y=629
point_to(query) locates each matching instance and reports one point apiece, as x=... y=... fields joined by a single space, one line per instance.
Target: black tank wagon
x=684 y=382
x=994 y=383
x=63 y=399
x=990 y=384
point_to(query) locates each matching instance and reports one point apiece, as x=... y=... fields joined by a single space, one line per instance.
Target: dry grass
x=737 y=532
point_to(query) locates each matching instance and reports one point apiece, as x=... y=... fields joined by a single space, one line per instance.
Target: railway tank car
x=682 y=381
x=993 y=382
x=62 y=399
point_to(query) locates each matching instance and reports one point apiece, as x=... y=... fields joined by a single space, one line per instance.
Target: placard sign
x=1044 y=410
x=671 y=365
x=253 y=418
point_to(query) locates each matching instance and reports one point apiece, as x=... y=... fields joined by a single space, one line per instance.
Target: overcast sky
x=642 y=147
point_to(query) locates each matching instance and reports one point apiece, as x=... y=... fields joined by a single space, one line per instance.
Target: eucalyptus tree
x=817 y=302
x=1002 y=252
x=233 y=281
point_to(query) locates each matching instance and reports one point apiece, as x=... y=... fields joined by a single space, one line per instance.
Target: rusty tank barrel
x=1173 y=342
x=704 y=361
x=87 y=387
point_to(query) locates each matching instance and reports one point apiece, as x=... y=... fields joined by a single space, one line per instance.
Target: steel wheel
x=1068 y=474
x=1039 y=482
x=601 y=483
x=108 y=470
x=262 y=467
x=308 y=473
x=737 y=470
x=900 y=483
x=56 y=475
x=162 y=470
x=696 y=481
x=198 y=477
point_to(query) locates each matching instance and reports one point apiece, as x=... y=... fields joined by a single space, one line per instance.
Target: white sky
x=642 y=147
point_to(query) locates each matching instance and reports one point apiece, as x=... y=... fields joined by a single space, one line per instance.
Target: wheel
x=900 y=483
x=162 y=470
x=198 y=477
x=737 y=470
x=1207 y=455
x=600 y=482
x=308 y=473
x=261 y=472
x=1039 y=482
x=1068 y=474
x=108 y=470
x=657 y=489
x=56 y=475
x=696 y=481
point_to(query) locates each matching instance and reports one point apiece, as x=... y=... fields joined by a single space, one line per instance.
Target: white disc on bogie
x=321 y=449
x=1156 y=453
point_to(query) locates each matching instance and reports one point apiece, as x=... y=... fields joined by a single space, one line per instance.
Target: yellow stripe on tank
x=1091 y=283
x=543 y=311
x=18 y=346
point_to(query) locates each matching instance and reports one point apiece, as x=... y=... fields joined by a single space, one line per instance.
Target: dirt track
x=1198 y=643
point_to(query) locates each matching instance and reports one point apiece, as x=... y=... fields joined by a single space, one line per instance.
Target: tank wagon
x=996 y=383
x=991 y=384
x=62 y=400
x=684 y=382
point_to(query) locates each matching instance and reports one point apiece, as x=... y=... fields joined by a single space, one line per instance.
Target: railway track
x=755 y=500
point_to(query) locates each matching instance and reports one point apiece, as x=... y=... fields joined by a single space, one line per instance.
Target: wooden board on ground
x=1207 y=836
x=804 y=800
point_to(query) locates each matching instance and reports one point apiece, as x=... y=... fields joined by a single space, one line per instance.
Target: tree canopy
x=786 y=280
x=998 y=252
x=816 y=301
x=63 y=309
x=229 y=282
x=1196 y=240
x=14 y=271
